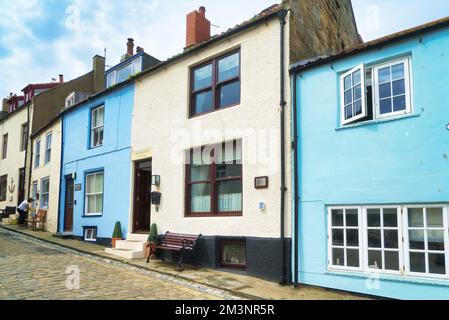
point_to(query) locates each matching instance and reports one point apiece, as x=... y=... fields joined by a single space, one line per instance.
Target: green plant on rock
x=117 y=234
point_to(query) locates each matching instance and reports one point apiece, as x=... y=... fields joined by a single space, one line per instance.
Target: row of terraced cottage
x=331 y=171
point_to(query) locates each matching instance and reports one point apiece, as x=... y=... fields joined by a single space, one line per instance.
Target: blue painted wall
x=402 y=161
x=113 y=158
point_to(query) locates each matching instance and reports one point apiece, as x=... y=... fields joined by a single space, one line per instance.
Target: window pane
x=100 y=116
x=91 y=204
x=352 y=237
x=374 y=239
x=94 y=118
x=348 y=112
x=90 y=184
x=99 y=203
x=390 y=218
x=124 y=73
x=200 y=197
x=434 y=217
x=437 y=265
x=203 y=102
x=358 y=93
x=373 y=217
x=230 y=196
x=385 y=90
x=417 y=262
x=356 y=79
x=415 y=218
x=375 y=259
x=391 y=239
x=392 y=261
x=384 y=75
x=199 y=172
x=385 y=106
x=398 y=71
x=228 y=170
x=228 y=67
x=230 y=94
x=416 y=239
x=348 y=97
x=352 y=218
x=398 y=87
x=202 y=77
x=399 y=103
x=353 y=258
x=337 y=218
x=358 y=107
x=234 y=254
x=435 y=240
x=337 y=237
x=338 y=257
x=99 y=183
x=348 y=83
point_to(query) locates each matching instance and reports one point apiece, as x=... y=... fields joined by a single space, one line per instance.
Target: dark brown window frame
x=214 y=182
x=215 y=85
x=223 y=264
x=3 y=179
x=5 y=146
x=24 y=137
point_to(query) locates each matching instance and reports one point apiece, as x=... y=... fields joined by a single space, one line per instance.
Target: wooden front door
x=21 y=186
x=69 y=202
x=142 y=201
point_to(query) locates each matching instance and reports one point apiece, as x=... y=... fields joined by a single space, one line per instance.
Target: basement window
x=375 y=92
x=90 y=234
x=233 y=254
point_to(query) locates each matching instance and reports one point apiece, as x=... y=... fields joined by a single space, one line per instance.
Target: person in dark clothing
x=23 y=209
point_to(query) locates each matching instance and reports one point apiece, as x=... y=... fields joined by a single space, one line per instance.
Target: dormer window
x=75 y=98
x=125 y=71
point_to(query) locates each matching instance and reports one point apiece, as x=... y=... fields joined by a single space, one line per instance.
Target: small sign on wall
x=261 y=182
x=78 y=187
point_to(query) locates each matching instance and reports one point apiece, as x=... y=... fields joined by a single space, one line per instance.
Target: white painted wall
x=161 y=113
x=15 y=159
x=51 y=170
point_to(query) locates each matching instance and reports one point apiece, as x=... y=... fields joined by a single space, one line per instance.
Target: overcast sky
x=40 y=39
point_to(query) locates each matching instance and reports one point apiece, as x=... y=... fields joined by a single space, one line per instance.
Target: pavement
x=38 y=265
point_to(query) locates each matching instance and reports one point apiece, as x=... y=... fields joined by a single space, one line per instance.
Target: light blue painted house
x=372 y=167
x=96 y=147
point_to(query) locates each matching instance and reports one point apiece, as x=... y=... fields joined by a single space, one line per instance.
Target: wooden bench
x=175 y=242
x=39 y=218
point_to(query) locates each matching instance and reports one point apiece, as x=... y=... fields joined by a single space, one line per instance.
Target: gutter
x=61 y=159
x=28 y=144
x=282 y=15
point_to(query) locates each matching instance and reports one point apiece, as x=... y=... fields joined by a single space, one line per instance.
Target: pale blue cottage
x=372 y=167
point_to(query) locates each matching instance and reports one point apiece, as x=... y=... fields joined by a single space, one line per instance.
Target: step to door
x=137 y=237
x=126 y=253
x=131 y=245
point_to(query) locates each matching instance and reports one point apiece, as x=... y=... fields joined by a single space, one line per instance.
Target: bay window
x=215 y=84
x=370 y=92
x=214 y=180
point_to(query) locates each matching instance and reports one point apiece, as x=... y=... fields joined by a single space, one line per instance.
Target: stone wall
x=319 y=27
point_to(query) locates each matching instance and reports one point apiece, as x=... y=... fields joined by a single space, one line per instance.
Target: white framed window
x=403 y=240
x=37 y=153
x=97 y=127
x=124 y=72
x=111 y=79
x=45 y=193
x=353 y=97
x=90 y=234
x=370 y=92
x=382 y=239
x=392 y=88
x=426 y=240
x=48 y=140
x=35 y=194
x=94 y=194
x=345 y=239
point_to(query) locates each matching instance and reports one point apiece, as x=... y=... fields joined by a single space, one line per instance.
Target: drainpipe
x=295 y=181
x=60 y=175
x=282 y=15
x=30 y=145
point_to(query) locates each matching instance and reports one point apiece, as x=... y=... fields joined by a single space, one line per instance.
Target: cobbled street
x=31 y=269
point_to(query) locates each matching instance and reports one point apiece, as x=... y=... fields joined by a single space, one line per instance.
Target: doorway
x=21 y=195
x=142 y=201
x=69 y=202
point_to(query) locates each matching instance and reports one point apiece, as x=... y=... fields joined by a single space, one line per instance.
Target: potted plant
x=117 y=234
x=152 y=239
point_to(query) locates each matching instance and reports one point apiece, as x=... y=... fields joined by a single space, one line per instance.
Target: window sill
x=92 y=215
x=213 y=111
x=215 y=215
x=442 y=282
x=373 y=122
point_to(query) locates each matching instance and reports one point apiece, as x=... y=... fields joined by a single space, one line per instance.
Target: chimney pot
x=61 y=78
x=130 y=47
x=198 y=27
x=140 y=49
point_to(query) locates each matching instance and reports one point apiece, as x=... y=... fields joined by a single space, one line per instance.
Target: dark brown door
x=21 y=185
x=69 y=202
x=142 y=202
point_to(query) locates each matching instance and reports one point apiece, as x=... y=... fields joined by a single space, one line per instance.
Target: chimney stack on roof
x=198 y=27
x=61 y=78
x=130 y=47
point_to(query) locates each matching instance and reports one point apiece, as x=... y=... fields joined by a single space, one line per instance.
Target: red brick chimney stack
x=130 y=46
x=198 y=27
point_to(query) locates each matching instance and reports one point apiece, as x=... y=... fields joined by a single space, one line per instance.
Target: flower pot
x=114 y=240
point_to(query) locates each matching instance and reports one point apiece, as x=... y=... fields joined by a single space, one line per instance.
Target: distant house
x=372 y=209
x=95 y=180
